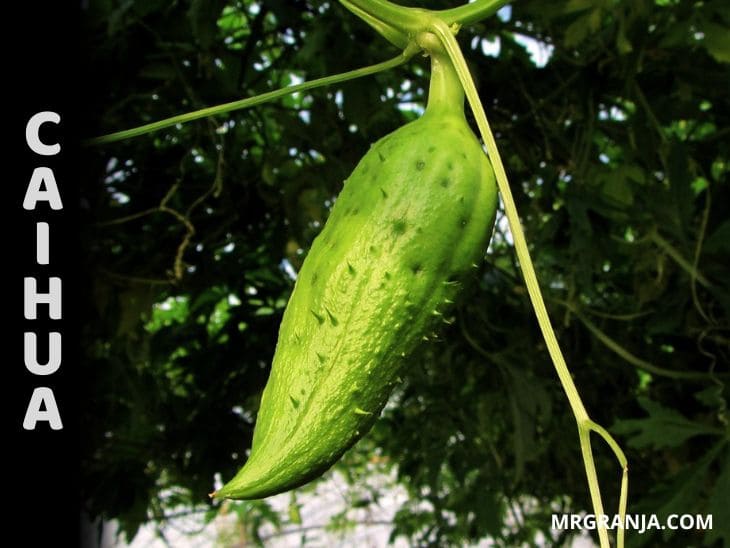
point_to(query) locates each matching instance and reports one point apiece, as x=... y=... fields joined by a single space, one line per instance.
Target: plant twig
x=674 y=253
x=250 y=101
x=628 y=356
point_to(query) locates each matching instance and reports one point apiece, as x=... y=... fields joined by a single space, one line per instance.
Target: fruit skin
x=413 y=218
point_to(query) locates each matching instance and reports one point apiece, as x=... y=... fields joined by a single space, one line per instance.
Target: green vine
x=253 y=101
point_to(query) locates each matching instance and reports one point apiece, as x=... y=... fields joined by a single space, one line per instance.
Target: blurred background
x=612 y=118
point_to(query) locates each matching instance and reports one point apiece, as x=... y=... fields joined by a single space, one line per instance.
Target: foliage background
x=617 y=151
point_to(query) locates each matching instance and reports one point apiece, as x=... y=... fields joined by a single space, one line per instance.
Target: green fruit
x=412 y=219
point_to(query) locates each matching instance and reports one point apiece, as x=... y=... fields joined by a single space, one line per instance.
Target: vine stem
x=585 y=424
x=471 y=13
x=627 y=356
x=669 y=249
x=253 y=101
x=399 y=24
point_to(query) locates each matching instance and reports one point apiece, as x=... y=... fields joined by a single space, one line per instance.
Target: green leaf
x=662 y=428
x=617 y=190
x=586 y=25
x=712 y=397
x=685 y=490
x=716 y=42
x=680 y=494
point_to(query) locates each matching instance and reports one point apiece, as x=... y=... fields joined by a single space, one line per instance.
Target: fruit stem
x=445 y=94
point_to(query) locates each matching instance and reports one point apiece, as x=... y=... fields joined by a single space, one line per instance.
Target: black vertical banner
x=41 y=74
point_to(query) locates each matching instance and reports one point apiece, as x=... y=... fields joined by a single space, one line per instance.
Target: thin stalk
x=629 y=357
x=253 y=101
x=391 y=33
x=407 y=20
x=674 y=253
x=585 y=424
x=471 y=13
x=698 y=251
